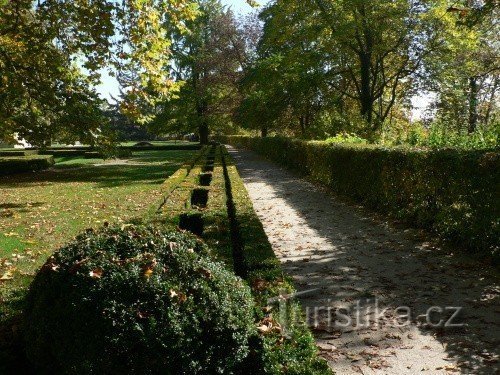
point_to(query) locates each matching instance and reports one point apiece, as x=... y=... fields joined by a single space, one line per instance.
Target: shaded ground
x=355 y=262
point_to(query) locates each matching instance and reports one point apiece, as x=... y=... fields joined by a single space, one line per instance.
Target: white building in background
x=21 y=143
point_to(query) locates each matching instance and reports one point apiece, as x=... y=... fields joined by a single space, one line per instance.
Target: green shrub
x=346 y=138
x=453 y=192
x=440 y=136
x=20 y=164
x=174 y=147
x=64 y=153
x=138 y=301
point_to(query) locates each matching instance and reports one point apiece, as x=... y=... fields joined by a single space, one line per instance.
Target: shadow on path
x=357 y=262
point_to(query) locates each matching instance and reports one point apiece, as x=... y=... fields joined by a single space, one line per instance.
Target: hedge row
x=198 y=203
x=454 y=193
x=82 y=150
x=288 y=346
x=20 y=164
x=212 y=202
x=181 y=146
x=18 y=152
x=180 y=175
x=87 y=151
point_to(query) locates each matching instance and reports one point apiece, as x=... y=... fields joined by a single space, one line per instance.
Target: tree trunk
x=202 y=123
x=203 y=131
x=366 y=100
x=302 y=121
x=473 y=92
x=491 y=101
x=263 y=132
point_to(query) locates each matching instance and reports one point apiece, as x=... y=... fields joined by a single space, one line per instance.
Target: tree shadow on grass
x=8 y=209
x=349 y=254
x=162 y=164
x=12 y=353
x=108 y=176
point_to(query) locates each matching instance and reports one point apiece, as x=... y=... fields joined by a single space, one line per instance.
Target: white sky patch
x=420 y=105
x=108 y=87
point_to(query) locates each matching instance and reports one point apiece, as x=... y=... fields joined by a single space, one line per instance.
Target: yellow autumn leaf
x=97 y=273
x=9 y=275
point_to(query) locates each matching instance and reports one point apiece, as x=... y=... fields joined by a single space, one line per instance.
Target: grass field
x=41 y=211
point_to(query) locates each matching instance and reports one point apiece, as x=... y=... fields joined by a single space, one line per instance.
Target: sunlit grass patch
x=41 y=211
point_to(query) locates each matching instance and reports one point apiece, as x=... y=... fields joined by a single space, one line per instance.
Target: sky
x=109 y=85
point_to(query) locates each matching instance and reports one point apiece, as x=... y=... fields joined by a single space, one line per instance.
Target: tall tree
x=466 y=68
x=208 y=61
x=42 y=44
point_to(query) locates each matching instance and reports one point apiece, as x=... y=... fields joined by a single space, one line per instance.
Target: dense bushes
x=136 y=300
x=19 y=164
x=452 y=192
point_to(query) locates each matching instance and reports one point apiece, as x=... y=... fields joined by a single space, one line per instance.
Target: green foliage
x=346 y=138
x=20 y=164
x=452 y=192
x=356 y=66
x=439 y=137
x=45 y=96
x=208 y=62
x=137 y=300
x=42 y=95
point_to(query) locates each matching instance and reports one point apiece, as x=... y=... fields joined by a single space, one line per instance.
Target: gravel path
x=355 y=261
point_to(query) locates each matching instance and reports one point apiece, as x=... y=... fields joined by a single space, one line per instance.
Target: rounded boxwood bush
x=137 y=300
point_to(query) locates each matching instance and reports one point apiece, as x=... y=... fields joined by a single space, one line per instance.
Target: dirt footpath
x=380 y=301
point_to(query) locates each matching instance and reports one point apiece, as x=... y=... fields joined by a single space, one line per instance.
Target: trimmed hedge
x=289 y=347
x=18 y=152
x=76 y=152
x=181 y=146
x=210 y=222
x=122 y=151
x=20 y=164
x=238 y=238
x=137 y=300
x=454 y=193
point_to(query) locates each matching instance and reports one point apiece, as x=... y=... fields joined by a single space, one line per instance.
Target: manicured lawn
x=159 y=143
x=41 y=211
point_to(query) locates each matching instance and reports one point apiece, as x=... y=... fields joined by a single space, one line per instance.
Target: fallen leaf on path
x=354 y=357
x=326 y=346
x=451 y=368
